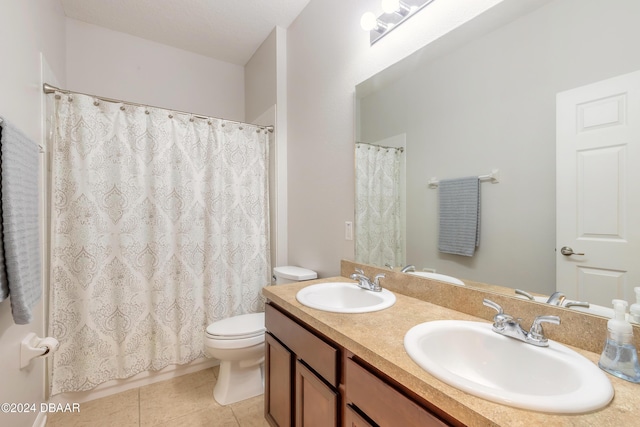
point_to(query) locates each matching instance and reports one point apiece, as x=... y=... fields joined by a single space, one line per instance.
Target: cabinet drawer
x=382 y=403
x=318 y=354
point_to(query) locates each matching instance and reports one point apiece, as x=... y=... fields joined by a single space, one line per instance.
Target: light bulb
x=368 y=21
x=390 y=6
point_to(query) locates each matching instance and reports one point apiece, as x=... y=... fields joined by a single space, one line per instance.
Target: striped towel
x=459 y=202
x=20 y=267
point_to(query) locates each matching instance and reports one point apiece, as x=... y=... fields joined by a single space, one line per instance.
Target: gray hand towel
x=459 y=209
x=20 y=267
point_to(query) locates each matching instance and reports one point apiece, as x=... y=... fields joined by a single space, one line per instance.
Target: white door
x=598 y=190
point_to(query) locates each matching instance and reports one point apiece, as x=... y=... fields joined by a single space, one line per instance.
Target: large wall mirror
x=484 y=98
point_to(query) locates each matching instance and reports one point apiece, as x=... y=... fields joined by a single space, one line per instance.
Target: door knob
x=567 y=251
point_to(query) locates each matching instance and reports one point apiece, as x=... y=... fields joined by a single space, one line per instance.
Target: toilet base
x=237 y=382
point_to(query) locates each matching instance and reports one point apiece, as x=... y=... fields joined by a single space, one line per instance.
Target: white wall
x=27 y=28
x=266 y=104
x=260 y=79
x=491 y=104
x=117 y=65
x=328 y=55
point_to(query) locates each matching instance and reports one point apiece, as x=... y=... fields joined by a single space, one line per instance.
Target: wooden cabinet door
x=316 y=402
x=353 y=419
x=278 y=375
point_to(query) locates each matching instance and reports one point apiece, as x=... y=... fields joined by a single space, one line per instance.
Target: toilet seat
x=237 y=327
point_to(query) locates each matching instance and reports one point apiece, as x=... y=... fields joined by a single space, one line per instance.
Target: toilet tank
x=291 y=273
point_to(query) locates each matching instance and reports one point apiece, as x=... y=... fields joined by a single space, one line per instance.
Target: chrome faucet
x=507 y=325
x=408 y=268
x=365 y=283
x=559 y=299
x=556 y=298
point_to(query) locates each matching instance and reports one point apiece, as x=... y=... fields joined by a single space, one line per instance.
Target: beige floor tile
x=250 y=412
x=182 y=401
x=120 y=409
x=165 y=401
x=214 y=417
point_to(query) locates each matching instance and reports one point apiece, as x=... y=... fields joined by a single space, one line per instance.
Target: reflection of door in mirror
x=489 y=102
x=380 y=217
x=598 y=190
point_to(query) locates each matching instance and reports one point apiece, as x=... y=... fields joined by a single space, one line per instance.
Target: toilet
x=238 y=342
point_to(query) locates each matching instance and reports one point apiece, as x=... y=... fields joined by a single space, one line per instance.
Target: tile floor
x=182 y=401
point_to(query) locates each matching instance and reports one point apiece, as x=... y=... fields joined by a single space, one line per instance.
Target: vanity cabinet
x=311 y=381
x=301 y=374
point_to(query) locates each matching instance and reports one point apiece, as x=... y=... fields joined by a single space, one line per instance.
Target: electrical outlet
x=348 y=230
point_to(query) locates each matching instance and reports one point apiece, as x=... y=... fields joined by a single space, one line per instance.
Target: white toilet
x=238 y=342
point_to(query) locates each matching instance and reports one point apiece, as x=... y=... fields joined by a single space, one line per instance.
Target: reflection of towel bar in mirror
x=494 y=177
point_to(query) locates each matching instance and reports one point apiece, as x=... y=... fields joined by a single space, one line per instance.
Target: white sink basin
x=436 y=276
x=344 y=297
x=592 y=309
x=473 y=358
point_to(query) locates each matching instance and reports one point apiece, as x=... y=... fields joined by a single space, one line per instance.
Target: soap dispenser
x=619 y=356
x=634 y=311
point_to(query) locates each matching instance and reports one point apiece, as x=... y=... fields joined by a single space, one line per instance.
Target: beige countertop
x=377 y=338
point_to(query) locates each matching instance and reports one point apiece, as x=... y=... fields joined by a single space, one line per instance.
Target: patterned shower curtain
x=377 y=218
x=159 y=227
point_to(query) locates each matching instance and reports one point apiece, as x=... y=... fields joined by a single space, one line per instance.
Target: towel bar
x=494 y=177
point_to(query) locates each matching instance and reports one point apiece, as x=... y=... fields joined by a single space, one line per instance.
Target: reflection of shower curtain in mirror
x=378 y=234
x=160 y=226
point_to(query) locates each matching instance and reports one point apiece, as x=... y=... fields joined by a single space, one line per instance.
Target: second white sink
x=344 y=297
x=473 y=358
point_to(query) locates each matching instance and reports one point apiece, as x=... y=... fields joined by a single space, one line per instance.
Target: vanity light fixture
x=395 y=12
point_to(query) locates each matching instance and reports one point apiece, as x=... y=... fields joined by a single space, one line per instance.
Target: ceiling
x=226 y=30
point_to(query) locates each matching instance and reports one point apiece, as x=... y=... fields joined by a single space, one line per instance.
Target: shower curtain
x=377 y=218
x=159 y=227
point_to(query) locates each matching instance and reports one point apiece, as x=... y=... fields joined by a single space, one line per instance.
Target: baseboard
x=139 y=380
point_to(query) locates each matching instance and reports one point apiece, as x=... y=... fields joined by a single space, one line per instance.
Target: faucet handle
x=571 y=303
x=376 y=279
x=525 y=294
x=360 y=271
x=500 y=320
x=491 y=304
x=536 y=333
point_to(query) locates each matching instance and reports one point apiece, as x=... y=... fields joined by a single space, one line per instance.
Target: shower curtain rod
x=400 y=149
x=47 y=88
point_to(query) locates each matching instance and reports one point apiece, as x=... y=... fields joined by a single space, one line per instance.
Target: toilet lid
x=236 y=327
